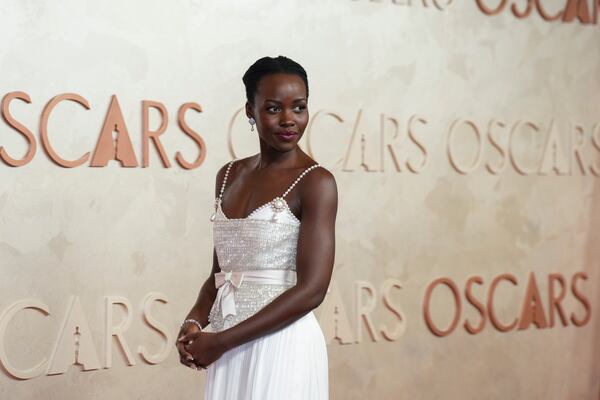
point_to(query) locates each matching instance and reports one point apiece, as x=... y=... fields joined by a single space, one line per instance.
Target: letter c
x=44 y=129
x=490 y=303
x=520 y=169
x=5 y=318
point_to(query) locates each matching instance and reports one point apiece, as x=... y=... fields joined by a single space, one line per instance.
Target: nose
x=287 y=118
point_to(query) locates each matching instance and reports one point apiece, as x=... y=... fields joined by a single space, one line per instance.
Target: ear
x=249 y=112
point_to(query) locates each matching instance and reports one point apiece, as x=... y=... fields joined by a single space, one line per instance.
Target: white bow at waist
x=229 y=281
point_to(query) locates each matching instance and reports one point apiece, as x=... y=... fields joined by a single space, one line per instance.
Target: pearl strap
x=225 y=179
x=306 y=171
x=218 y=199
x=278 y=203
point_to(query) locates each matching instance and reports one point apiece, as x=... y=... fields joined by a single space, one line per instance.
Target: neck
x=271 y=158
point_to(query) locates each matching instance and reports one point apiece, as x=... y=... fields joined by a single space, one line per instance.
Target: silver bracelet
x=193 y=321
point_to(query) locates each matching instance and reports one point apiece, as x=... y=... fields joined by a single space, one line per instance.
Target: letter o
x=457 y=304
x=459 y=168
x=491 y=11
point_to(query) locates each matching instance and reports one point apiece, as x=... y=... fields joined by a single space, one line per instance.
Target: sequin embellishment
x=250 y=243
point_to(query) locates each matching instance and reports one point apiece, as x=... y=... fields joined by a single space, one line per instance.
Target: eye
x=273 y=109
x=299 y=108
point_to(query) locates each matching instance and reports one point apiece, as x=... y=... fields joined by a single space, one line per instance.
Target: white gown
x=257 y=256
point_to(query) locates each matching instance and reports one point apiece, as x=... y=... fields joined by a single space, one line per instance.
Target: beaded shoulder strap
x=220 y=196
x=278 y=203
x=225 y=179
x=306 y=171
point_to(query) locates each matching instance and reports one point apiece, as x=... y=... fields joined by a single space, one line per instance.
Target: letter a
x=533 y=309
x=577 y=9
x=75 y=344
x=106 y=148
x=334 y=319
x=554 y=156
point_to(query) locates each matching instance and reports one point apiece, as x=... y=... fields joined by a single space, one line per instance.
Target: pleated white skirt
x=288 y=364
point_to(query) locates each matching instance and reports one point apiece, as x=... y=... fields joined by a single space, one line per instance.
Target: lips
x=286 y=135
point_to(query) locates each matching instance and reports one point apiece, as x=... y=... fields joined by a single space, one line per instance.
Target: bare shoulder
x=220 y=178
x=319 y=188
x=238 y=164
x=319 y=178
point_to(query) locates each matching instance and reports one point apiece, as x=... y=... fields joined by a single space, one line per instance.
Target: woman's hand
x=204 y=347
x=184 y=356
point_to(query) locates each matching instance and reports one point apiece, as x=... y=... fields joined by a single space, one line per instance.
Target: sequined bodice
x=265 y=240
x=254 y=243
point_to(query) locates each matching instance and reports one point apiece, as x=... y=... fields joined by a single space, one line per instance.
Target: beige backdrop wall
x=466 y=147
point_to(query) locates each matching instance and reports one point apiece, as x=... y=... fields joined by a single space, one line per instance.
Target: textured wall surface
x=464 y=145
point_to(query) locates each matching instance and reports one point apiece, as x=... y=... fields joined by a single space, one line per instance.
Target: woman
x=274 y=236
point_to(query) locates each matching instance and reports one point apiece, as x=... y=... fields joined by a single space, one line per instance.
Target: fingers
x=184 y=356
x=187 y=363
x=194 y=365
x=183 y=351
x=187 y=337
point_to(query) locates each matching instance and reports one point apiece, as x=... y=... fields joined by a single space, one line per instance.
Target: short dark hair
x=267 y=66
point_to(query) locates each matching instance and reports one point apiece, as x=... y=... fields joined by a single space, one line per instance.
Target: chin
x=283 y=147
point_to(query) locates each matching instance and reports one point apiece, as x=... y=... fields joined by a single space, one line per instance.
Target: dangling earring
x=252 y=122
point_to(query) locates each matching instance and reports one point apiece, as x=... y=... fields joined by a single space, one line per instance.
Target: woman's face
x=280 y=110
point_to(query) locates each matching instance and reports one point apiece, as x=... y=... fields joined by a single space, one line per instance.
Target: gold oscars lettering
x=582 y=11
x=114 y=142
x=542 y=311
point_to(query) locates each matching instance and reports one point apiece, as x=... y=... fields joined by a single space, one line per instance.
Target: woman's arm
x=208 y=291
x=206 y=296
x=201 y=309
x=314 y=264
